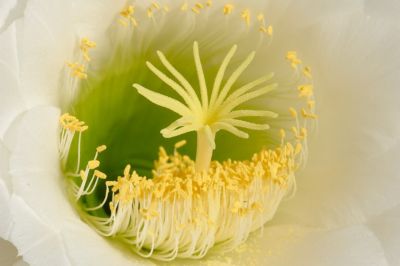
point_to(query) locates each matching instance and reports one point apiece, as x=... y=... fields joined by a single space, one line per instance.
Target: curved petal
x=5 y=221
x=43 y=217
x=353 y=170
x=387 y=229
x=12 y=102
x=5 y=7
x=37 y=242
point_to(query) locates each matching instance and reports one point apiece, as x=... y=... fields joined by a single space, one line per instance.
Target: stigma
x=208 y=113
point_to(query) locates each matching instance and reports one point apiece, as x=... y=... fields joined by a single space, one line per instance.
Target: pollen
x=228 y=9
x=127 y=16
x=245 y=15
x=291 y=56
x=78 y=70
x=85 y=46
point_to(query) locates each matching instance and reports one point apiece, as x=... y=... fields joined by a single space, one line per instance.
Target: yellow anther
x=180 y=144
x=209 y=3
x=282 y=133
x=82 y=174
x=127 y=170
x=71 y=123
x=305 y=114
x=293 y=112
x=267 y=30
x=127 y=16
x=100 y=174
x=303 y=131
x=78 y=70
x=311 y=104
x=305 y=90
x=228 y=9
x=101 y=148
x=291 y=56
x=307 y=72
x=83 y=128
x=127 y=12
x=184 y=7
x=155 y=5
x=257 y=206
x=261 y=18
x=196 y=10
x=295 y=131
x=85 y=46
x=93 y=164
x=199 y=5
x=150 y=12
x=245 y=15
x=298 y=148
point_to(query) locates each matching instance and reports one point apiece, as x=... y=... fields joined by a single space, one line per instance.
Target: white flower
x=346 y=211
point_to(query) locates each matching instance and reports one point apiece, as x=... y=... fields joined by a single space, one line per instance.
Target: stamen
x=228 y=8
x=78 y=70
x=85 y=46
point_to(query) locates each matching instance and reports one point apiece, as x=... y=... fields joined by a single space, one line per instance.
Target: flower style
x=101 y=170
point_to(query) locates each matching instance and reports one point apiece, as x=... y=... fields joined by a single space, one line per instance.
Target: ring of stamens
x=187 y=207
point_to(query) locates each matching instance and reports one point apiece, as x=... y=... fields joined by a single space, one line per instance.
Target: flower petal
x=5 y=221
x=5 y=8
x=352 y=172
x=12 y=101
x=86 y=247
x=387 y=229
x=34 y=164
x=38 y=243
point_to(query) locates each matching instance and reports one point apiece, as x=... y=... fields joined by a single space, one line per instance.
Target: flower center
x=208 y=115
x=166 y=205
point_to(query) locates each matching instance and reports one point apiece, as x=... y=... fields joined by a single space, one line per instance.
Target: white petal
x=353 y=169
x=5 y=220
x=37 y=181
x=91 y=18
x=34 y=164
x=11 y=99
x=5 y=7
x=86 y=247
x=37 y=242
x=46 y=43
x=387 y=229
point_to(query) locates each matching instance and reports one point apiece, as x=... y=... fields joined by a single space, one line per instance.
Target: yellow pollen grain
x=184 y=7
x=85 y=46
x=78 y=70
x=101 y=148
x=100 y=174
x=196 y=10
x=93 y=164
x=228 y=9
x=282 y=133
x=180 y=144
x=155 y=5
x=71 y=123
x=291 y=56
x=307 y=72
x=305 y=90
x=293 y=112
x=311 y=104
x=82 y=174
x=209 y=3
x=245 y=15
